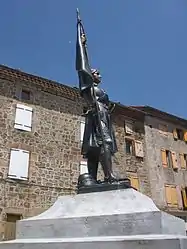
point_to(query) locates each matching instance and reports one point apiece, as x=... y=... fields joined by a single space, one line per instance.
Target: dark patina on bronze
x=99 y=143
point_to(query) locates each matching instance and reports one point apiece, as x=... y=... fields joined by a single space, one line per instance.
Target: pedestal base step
x=117 y=242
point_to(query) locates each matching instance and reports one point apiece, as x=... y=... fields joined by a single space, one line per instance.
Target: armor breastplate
x=101 y=95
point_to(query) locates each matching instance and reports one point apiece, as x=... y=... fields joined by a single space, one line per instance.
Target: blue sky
x=140 y=46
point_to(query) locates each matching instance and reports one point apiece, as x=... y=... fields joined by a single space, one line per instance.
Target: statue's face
x=97 y=77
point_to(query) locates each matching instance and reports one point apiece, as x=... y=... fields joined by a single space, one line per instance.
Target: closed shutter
x=139 y=149
x=168 y=195
x=19 y=164
x=174 y=196
x=164 y=158
x=179 y=196
x=184 y=197
x=135 y=182
x=174 y=160
x=82 y=130
x=185 y=136
x=23 y=119
x=128 y=128
x=83 y=167
x=182 y=161
x=171 y=195
x=175 y=135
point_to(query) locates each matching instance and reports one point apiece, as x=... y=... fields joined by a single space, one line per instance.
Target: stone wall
x=54 y=145
x=159 y=175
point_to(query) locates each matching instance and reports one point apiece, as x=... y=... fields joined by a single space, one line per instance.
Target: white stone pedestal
x=113 y=220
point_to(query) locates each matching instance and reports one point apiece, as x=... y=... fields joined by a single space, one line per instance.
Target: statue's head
x=96 y=76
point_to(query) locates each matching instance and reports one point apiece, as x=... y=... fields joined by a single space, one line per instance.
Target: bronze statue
x=99 y=143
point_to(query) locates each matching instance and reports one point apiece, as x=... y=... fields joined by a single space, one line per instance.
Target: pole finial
x=78 y=15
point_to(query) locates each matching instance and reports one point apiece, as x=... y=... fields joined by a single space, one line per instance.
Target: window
x=134 y=180
x=19 y=164
x=174 y=160
x=128 y=128
x=82 y=130
x=10 y=226
x=184 y=197
x=185 y=136
x=139 y=149
x=25 y=95
x=166 y=158
x=83 y=167
x=171 y=195
x=183 y=160
x=129 y=146
x=23 y=119
x=180 y=134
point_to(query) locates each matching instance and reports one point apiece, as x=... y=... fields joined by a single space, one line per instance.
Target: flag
x=82 y=62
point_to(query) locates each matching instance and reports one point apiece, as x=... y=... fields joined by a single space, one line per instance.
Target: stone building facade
x=40 y=142
x=166 y=158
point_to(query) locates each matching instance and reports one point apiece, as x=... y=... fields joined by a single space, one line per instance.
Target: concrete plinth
x=113 y=219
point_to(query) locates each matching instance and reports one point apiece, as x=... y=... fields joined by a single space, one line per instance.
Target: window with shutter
x=184 y=197
x=134 y=180
x=174 y=160
x=185 y=136
x=128 y=127
x=179 y=196
x=23 y=119
x=82 y=130
x=164 y=158
x=83 y=167
x=182 y=160
x=129 y=146
x=175 y=134
x=139 y=149
x=168 y=195
x=19 y=164
x=174 y=196
x=171 y=195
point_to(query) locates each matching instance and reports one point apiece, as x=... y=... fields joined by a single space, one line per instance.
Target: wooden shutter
x=175 y=135
x=168 y=195
x=23 y=119
x=171 y=196
x=174 y=196
x=182 y=161
x=82 y=130
x=179 y=196
x=139 y=149
x=185 y=136
x=174 y=160
x=128 y=127
x=184 y=197
x=164 y=158
x=135 y=182
x=19 y=164
x=83 y=167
